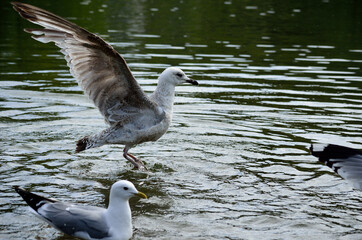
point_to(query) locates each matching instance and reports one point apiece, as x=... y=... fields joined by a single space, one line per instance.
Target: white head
x=125 y=190
x=176 y=76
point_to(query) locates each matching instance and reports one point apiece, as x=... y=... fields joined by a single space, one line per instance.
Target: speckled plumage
x=105 y=77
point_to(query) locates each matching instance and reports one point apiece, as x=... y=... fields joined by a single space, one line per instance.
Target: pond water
x=275 y=76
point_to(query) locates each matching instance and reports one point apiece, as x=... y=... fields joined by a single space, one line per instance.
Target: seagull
x=345 y=161
x=103 y=74
x=88 y=222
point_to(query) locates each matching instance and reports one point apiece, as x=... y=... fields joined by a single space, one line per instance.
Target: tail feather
x=93 y=141
x=82 y=144
x=33 y=200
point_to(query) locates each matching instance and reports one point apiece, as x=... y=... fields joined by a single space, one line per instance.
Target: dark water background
x=274 y=77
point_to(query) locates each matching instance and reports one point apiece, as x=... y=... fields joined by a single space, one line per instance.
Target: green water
x=274 y=77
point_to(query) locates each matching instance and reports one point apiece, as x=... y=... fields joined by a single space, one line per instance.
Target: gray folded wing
x=345 y=161
x=101 y=72
x=75 y=220
x=350 y=169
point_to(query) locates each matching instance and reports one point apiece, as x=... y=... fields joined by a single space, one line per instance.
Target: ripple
x=235 y=161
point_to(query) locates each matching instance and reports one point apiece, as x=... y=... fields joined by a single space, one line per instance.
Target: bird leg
x=135 y=161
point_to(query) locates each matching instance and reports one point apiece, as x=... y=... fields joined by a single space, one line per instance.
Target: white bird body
x=119 y=228
x=88 y=222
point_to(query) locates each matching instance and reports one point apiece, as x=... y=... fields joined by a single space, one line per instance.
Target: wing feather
x=73 y=219
x=101 y=72
x=345 y=161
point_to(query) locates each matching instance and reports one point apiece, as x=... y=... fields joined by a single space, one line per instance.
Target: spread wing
x=345 y=161
x=101 y=72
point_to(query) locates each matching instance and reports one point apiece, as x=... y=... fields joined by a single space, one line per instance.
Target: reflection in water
x=235 y=162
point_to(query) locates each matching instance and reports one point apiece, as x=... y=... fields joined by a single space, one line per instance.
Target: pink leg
x=135 y=161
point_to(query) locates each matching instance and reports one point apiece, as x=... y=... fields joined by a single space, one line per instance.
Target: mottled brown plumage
x=105 y=77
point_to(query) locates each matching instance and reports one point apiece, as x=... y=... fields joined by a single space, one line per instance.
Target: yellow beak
x=141 y=195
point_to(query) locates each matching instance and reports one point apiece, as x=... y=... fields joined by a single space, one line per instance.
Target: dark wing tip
x=23 y=10
x=21 y=5
x=329 y=154
x=333 y=151
x=33 y=200
x=16 y=3
x=317 y=152
x=19 y=190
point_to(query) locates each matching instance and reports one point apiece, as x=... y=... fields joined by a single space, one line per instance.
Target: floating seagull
x=88 y=222
x=104 y=76
x=345 y=161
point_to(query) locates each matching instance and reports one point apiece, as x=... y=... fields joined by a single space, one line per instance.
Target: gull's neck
x=119 y=218
x=164 y=95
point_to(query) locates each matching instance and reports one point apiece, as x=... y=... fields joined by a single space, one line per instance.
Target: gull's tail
x=105 y=137
x=89 y=142
x=82 y=145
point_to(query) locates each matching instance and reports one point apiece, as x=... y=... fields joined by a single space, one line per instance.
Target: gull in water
x=104 y=76
x=88 y=222
x=345 y=161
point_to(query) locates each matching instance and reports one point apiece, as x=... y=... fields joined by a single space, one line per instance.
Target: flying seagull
x=88 y=222
x=345 y=161
x=104 y=76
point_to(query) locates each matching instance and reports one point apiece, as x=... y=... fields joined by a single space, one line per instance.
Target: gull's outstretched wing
x=81 y=221
x=99 y=69
x=345 y=161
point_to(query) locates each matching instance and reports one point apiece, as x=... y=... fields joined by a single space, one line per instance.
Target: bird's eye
x=125 y=188
x=179 y=74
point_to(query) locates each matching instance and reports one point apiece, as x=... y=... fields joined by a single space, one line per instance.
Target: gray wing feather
x=101 y=72
x=71 y=219
x=350 y=169
x=124 y=113
x=345 y=161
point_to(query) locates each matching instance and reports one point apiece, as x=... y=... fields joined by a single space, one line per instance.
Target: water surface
x=274 y=78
